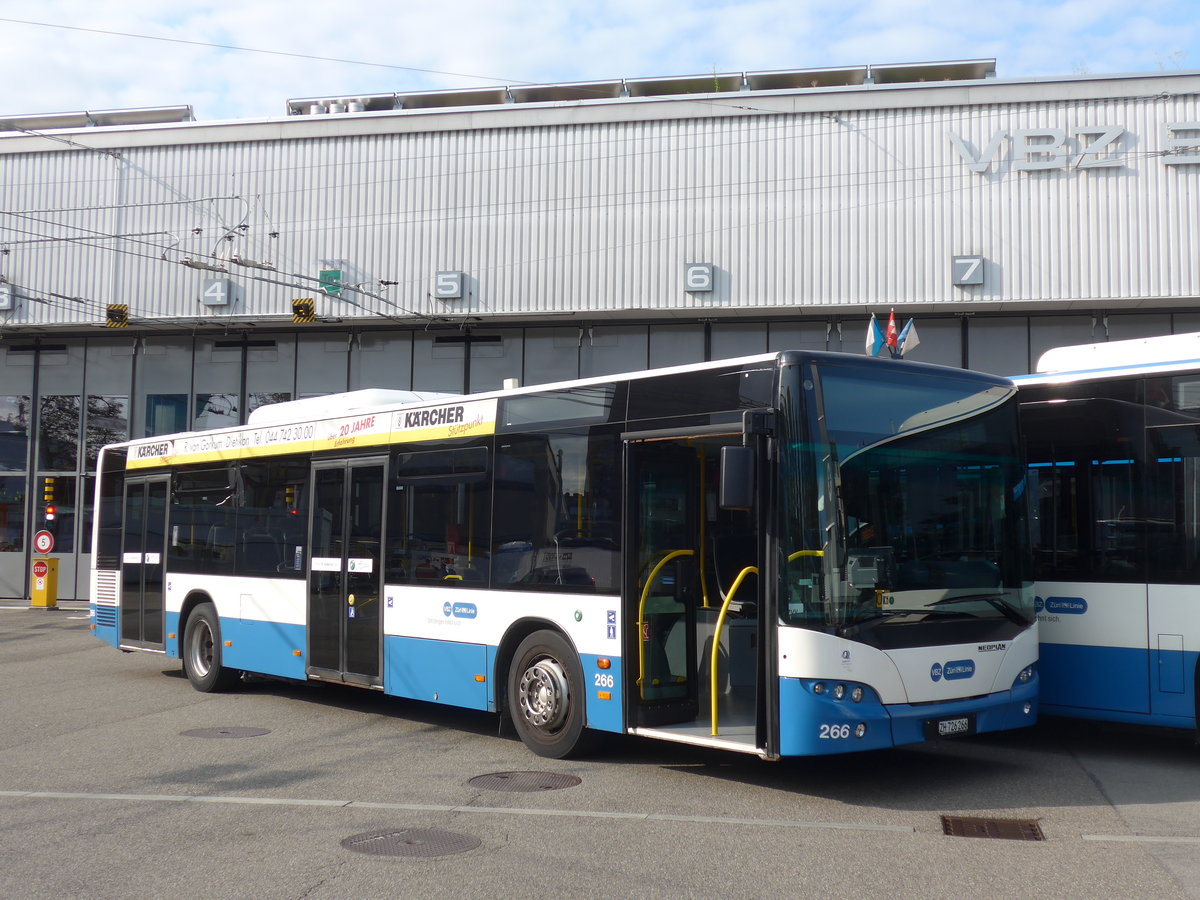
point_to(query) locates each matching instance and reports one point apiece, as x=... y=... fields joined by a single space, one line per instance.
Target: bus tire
x=546 y=696
x=202 y=652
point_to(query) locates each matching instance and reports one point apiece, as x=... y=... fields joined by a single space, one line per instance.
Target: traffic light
x=51 y=510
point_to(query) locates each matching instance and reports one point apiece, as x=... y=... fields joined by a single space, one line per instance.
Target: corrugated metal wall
x=800 y=213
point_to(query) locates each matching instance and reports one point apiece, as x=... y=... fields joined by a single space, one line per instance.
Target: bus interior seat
x=731 y=553
x=220 y=542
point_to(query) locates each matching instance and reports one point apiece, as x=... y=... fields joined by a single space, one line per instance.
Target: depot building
x=161 y=274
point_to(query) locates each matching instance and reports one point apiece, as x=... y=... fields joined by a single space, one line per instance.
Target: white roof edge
x=1118 y=354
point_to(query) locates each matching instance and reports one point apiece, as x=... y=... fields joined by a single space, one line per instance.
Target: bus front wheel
x=202 y=652
x=545 y=695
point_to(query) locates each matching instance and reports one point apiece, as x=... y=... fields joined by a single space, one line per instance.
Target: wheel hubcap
x=544 y=695
x=201 y=649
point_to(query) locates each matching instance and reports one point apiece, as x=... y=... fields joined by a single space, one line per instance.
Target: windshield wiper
x=1009 y=611
x=880 y=617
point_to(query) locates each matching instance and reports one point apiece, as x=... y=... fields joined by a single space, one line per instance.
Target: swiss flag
x=893 y=339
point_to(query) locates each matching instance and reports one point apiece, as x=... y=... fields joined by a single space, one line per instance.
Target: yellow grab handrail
x=737 y=583
x=799 y=553
x=642 y=613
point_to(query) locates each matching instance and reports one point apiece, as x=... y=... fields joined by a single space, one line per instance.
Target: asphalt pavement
x=117 y=780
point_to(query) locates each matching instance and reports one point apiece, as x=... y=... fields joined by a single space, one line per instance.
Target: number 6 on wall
x=698 y=277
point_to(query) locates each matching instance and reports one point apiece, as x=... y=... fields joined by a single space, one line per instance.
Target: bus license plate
x=950 y=727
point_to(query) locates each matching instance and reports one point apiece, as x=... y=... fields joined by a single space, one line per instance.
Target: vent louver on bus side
x=107 y=584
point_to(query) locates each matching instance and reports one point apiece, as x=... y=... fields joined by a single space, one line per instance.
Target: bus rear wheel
x=202 y=652
x=546 y=696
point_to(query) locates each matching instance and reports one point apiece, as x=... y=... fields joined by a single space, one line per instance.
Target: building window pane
x=107 y=423
x=14 y=433
x=165 y=414
x=58 y=433
x=676 y=345
x=612 y=349
x=551 y=354
x=216 y=411
x=12 y=514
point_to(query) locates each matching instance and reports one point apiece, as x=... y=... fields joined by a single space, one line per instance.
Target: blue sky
x=429 y=44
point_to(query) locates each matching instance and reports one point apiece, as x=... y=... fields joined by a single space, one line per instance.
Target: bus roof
x=1113 y=359
x=364 y=402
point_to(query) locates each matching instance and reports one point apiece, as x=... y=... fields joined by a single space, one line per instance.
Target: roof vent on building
x=670 y=86
x=150 y=115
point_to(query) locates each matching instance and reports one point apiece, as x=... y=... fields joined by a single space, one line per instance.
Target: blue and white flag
x=875 y=337
x=908 y=339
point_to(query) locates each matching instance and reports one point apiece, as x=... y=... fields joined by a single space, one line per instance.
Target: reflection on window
x=107 y=423
x=438 y=518
x=216 y=411
x=203 y=534
x=14 y=433
x=1086 y=471
x=12 y=514
x=576 y=405
x=556 y=525
x=255 y=399
x=58 y=433
x=272 y=518
x=166 y=414
x=112 y=508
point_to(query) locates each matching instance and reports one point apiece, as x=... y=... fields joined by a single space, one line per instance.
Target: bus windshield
x=916 y=530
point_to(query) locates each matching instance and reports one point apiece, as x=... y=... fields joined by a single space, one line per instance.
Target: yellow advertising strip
x=439 y=422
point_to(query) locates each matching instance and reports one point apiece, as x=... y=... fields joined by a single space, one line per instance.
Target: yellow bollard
x=44 y=592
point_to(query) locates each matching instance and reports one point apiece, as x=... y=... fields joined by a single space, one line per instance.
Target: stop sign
x=40 y=568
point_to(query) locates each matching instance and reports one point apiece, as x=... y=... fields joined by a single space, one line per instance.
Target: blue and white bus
x=1113 y=442
x=788 y=554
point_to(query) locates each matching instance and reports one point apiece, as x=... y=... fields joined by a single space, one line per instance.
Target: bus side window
x=439 y=516
x=556 y=525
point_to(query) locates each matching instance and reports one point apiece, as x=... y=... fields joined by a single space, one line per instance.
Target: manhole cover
x=229 y=732
x=523 y=781
x=1007 y=829
x=411 y=842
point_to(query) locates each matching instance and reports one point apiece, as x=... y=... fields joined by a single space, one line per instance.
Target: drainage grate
x=411 y=842
x=229 y=732
x=1007 y=829
x=523 y=781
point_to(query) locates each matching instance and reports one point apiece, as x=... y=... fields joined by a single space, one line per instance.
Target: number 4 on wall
x=967 y=270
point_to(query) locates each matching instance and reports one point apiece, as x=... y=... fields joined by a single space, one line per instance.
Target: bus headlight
x=856 y=695
x=1026 y=674
x=839 y=691
x=860 y=730
x=819 y=688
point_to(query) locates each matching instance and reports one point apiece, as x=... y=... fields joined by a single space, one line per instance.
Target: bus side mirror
x=737 y=478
